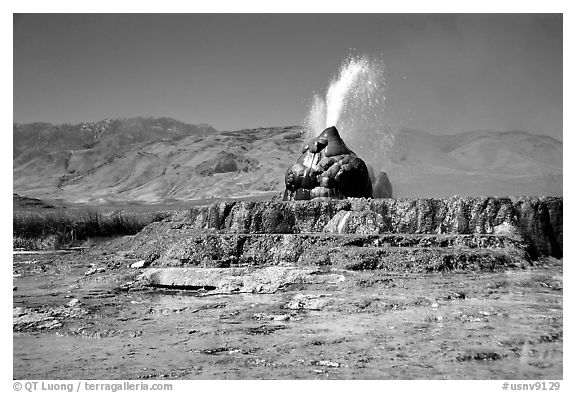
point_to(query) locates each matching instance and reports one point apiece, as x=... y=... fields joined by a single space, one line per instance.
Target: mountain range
x=162 y=160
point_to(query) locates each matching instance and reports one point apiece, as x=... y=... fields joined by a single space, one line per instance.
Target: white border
x=325 y=6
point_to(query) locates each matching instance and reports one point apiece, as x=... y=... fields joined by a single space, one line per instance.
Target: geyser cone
x=355 y=103
x=327 y=168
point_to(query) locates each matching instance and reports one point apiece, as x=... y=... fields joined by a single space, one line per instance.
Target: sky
x=445 y=73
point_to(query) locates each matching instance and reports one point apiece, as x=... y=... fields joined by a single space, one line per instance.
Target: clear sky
x=446 y=73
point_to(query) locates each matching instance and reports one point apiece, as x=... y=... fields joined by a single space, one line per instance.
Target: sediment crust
x=393 y=252
x=536 y=221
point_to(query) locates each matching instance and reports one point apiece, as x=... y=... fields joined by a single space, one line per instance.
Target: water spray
x=355 y=104
x=352 y=110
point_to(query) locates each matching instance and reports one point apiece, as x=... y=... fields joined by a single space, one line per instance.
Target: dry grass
x=60 y=228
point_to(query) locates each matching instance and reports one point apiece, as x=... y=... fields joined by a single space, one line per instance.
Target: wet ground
x=75 y=317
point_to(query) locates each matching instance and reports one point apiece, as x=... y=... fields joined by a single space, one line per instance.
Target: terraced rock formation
x=406 y=235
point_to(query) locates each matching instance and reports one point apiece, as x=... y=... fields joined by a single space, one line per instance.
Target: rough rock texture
x=537 y=221
x=236 y=280
x=327 y=168
x=393 y=252
x=381 y=186
x=46 y=318
x=309 y=302
x=412 y=235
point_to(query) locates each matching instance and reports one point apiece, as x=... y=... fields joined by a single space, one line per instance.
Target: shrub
x=70 y=228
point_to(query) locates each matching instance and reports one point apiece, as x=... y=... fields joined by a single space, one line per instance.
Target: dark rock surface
x=327 y=168
x=408 y=235
x=393 y=252
x=381 y=186
x=536 y=220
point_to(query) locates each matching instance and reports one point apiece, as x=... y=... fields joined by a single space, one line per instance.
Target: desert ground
x=82 y=313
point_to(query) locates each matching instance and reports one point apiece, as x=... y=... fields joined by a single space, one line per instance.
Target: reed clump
x=61 y=228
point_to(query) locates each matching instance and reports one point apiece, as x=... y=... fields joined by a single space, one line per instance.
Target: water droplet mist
x=355 y=104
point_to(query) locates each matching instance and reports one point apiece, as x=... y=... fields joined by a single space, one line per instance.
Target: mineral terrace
x=358 y=288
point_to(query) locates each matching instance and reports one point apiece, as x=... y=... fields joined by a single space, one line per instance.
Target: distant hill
x=161 y=160
x=22 y=203
x=475 y=163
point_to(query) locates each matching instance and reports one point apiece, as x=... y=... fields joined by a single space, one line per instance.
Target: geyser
x=327 y=168
x=355 y=103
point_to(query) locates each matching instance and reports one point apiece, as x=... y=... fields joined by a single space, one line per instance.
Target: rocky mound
x=415 y=235
x=327 y=168
x=226 y=162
